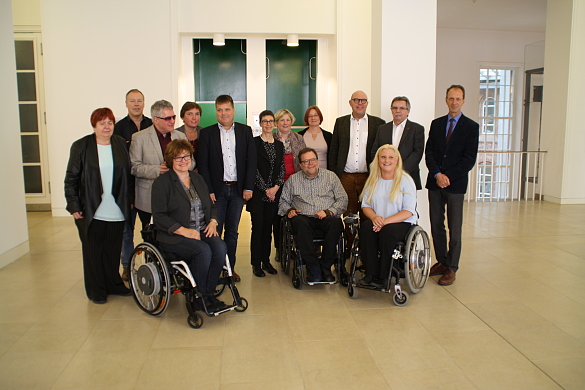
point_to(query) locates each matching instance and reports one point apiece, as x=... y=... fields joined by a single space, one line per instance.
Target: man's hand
x=442 y=180
x=321 y=214
x=78 y=215
x=163 y=168
x=247 y=194
x=293 y=213
x=212 y=197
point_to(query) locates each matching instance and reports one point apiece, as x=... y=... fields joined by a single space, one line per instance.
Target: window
x=496 y=116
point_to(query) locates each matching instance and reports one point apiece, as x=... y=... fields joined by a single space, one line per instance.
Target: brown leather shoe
x=448 y=278
x=236 y=276
x=125 y=274
x=437 y=269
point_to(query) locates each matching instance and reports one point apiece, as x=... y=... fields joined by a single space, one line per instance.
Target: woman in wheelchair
x=389 y=204
x=185 y=220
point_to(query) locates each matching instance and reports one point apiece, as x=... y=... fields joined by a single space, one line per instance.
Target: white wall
x=13 y=230
x=93 y=56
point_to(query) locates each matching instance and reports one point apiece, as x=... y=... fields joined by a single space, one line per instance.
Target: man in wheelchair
x=314 y=199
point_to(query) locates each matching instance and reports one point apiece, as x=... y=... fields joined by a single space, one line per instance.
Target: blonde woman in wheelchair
x=389 y=205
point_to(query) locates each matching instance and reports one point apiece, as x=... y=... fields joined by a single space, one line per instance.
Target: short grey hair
x=158 y=106
x=401 y=99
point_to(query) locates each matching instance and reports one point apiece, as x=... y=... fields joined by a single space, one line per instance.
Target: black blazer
x=210 y=158
x=171 y=207
x=326 y=134
x=83 y=180
x=411 y=147
x=455 y=159
x=337 y=153
x=254 y=205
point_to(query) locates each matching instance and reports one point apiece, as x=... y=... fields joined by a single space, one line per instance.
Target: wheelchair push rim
x=417 y=259
x=149 y=279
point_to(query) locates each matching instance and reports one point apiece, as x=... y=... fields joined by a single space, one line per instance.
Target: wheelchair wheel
x=296 y=278
x=400 y=300
x=243 y=306
x=417 y=257
x=221 y=285
x=352 y=290
x=149 y=279
x=195 y=321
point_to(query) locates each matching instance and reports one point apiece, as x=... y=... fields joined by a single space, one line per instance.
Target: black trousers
x=306 y=228
x=144 y=218
x=384 y=241
x=101 y=248
x=438 y=199
x=262 y=225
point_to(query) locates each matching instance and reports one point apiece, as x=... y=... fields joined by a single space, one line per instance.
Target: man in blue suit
x=226 y=156
x=450 y=154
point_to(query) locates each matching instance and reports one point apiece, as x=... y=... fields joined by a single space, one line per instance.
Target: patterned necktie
x=450 y=132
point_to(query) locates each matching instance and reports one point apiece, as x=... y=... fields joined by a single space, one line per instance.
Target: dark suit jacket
x=455 y=159
x=337 y=153
x=171 y=207
x=83 y=180
x=411 y=147
x=254 y=205
x=210 y=158
x=326 y=134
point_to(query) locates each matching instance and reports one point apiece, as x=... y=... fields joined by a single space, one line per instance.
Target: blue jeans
x=205 y=257
x=229 y=206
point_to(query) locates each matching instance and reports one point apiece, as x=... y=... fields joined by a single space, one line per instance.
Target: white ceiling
x=507 y=15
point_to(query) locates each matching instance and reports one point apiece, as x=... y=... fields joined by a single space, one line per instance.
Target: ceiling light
x=292 y=40
x=218 y=40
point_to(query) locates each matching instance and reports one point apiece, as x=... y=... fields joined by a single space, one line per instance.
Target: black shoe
x=313 y=275
x=366 y=281
x=378 y=283
x=257 y=271
x=123 y=293
x=99 y=301
x=327 y=275
x=269 y=268
x=216 y=304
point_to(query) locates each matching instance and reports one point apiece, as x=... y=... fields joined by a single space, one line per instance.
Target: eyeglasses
x=311 y=160
x=359 y=101
x=313 y=116
x=167 y=118
x=186 y=158
x=266 y=121
x=399 y=108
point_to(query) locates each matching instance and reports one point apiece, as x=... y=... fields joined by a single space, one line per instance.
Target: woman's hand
x=189 y=233
x=271 y=193
x=378 y=222
x=211 y=229
x=78 y=215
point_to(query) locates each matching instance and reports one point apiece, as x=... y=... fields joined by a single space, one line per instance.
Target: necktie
x=450 y=132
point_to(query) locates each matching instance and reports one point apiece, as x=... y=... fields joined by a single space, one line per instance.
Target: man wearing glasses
x=314 y=199
x=147 y=151
x=407 y=136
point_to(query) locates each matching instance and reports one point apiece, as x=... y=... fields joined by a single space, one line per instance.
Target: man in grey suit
x=408 y=136
x=147 y=154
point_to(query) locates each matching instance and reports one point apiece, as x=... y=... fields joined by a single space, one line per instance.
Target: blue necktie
x=450 y=132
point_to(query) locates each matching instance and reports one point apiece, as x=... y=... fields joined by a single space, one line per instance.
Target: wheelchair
x=290 y=256
x=411 y=260
x=155 y=275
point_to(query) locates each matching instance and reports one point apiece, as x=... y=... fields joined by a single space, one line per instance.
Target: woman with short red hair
x=99 y=196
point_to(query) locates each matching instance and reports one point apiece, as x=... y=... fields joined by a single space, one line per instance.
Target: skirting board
x=14 y=254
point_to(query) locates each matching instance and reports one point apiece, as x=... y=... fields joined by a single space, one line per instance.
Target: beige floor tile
x=447 y=317
x=567 y=372
x=294 y=384
x=446 y=379
x=102 y=370
x=332 y=364
x=174 y=332
x=188 y=368
x=115 y=335
x=257 y=330
x=491 y=362
x=11 y=333
x=323 y=325
x=260 y=362
x=32 y=370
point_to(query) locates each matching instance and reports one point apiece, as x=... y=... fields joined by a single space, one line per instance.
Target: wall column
x=563 y=131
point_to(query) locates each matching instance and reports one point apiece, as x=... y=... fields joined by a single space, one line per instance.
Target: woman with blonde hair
x=389 y=206
x=293 y=142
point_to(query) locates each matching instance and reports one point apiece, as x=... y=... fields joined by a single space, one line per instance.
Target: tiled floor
x=514 y=319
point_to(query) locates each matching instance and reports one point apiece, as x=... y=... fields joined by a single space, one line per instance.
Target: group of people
x=193 y=183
